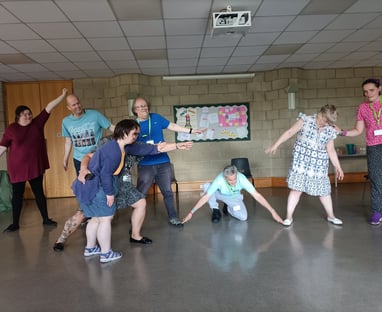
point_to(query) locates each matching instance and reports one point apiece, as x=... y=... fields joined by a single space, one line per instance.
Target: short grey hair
x=229 y=171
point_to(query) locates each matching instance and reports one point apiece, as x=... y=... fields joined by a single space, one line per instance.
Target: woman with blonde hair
x=308 y=172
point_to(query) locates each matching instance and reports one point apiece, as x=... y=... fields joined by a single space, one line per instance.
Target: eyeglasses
x=143 y=106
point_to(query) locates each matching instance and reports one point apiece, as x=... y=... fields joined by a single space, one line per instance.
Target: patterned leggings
x=374 y=156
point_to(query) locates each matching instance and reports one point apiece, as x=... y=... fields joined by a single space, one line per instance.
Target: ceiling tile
x=28 y=68
x=288 y=37
x=365 y=6
x=122 y=64
x=35 y=11
x=91 y=65
x=258 y=39
x=15 y=59
x=216 y=52
x=143 y=28
x=351 y=21
x=50 y=57
x=137 y=9
x=209 y=69
x=345 y=47
x=16 y=32
x=64 y=66
x=107 y=44
x=270 y=23
x=66 y=45
x=186 y=8
x=251 y=50
x=181 y=42
x=242 y=60
x=183 y=62
x=152 y=63
x=99 y=29
x=326 y=36
x=281 y=7
x=80 y=10
x=90 y=56
x=55 y=30
x=147 y=43
x=212 y=61
x=310 y=22
x=237 y=68
x=31 y=46
x=6 y=49
x=278 y=49
x=321 y=7
x=183 y=53
x=6 y=17
x=159 y=54
x=185 y=26
x=119 y=55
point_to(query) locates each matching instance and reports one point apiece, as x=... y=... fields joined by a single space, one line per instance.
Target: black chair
x=173 y=180
x=242 y=165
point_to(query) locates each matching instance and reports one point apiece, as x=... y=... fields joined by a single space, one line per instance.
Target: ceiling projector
x=231 y=22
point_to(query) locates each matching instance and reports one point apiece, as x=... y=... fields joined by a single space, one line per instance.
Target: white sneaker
x=288 y=222
x=335 y=221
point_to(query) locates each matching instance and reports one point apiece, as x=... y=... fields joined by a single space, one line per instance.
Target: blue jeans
x=161 y=174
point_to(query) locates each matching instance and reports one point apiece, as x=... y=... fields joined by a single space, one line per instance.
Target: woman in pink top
x=27 y=158
x=369 y=117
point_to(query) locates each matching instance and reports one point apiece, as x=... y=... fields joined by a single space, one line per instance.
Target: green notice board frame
x=224 y=122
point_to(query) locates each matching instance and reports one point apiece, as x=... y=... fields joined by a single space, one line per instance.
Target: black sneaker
x=58 y=247
x=216 y=215
x=11 y=228
x=225 y=210
x=50 y=222
x=175 y=222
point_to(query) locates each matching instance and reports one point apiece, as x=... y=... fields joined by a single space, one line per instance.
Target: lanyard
x=149 y=134
x=377 y=117
x=230 y=187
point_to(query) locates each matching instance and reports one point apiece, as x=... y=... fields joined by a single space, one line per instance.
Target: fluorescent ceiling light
x=200 y=77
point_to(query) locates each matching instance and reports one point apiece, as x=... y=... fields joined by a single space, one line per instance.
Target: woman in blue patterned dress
x=312 y=150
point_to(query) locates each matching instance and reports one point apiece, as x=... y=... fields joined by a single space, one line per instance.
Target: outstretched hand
x=199 y=131
x=185 y=145
x=271 y=150
x=187 y=218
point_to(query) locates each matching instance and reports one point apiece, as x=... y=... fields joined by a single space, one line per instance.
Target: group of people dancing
x=104 y=167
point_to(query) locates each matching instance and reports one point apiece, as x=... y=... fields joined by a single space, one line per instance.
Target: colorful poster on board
x=224 y=122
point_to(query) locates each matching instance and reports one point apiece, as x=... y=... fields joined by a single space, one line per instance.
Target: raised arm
x=357 y=130
x=56 y=101
x=174 y=127
x=167 y=147
x=285 y=136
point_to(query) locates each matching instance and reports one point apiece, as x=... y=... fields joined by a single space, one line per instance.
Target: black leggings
x=18 y=196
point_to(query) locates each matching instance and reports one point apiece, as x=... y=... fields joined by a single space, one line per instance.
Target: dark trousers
x=18 y=196
x=161 y=174
x=374 y=156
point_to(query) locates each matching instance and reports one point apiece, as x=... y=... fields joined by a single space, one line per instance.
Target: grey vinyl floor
x=256 y=265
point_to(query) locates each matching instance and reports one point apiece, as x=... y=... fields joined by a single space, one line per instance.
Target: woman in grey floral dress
x=312 y=150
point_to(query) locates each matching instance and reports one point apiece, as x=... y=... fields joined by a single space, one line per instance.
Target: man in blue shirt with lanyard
x=157 y=167
x=227 y=187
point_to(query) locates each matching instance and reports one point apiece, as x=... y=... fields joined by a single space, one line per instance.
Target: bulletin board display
x=224 y=122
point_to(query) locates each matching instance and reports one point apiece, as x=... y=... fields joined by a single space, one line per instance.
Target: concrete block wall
x=269 y=114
